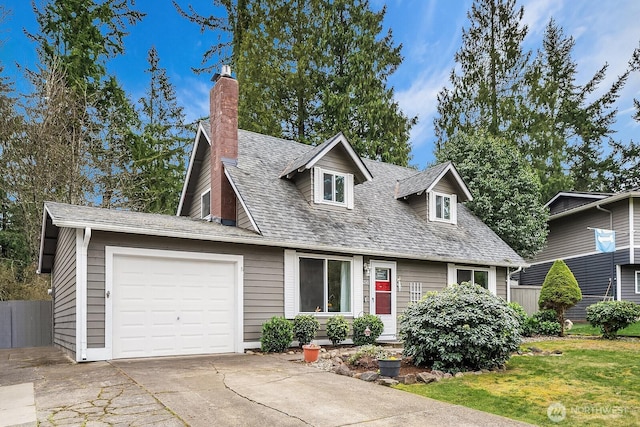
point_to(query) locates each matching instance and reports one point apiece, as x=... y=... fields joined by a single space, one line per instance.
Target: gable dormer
x=435 y=193
x=326 y=175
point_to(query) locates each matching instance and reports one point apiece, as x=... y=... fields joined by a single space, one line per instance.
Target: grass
x=587 y=329
x=597 y=381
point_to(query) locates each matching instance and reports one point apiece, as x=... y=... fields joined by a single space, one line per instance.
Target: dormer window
x=333 y=188
x=442 y=207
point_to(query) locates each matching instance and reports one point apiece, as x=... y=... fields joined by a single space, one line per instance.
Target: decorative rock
x=338 y=361
x=333 y=353
x=344 y=370
x=426 y=377
x=556 y=352
x=407 y=379
x=369 y=376
x=291 y=352
x=437 y=373
x=447 y=376
x=459 y=375
x=484 y=371
x=323 y=350
x=478 y=372
x=534 y=350
x=250 y=352
x=387 y=382
x=325 y=356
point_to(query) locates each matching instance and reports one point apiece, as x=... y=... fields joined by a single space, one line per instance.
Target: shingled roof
x=378 y=225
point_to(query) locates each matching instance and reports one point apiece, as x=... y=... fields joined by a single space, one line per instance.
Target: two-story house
x=574 y=216
x=265 y=227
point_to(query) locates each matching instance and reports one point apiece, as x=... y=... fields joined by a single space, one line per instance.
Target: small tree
x=560 y=291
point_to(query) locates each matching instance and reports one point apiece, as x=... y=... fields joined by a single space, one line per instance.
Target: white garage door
x=167 y=303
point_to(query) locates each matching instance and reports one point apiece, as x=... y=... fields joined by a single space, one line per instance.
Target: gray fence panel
x=527 y=297
x=25 y=324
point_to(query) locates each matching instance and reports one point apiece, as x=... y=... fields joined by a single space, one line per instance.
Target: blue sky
x=429 y=31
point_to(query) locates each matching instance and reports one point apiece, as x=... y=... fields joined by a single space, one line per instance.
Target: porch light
x=367 y=332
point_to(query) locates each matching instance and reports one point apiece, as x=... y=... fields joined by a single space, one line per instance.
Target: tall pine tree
x=159 y=150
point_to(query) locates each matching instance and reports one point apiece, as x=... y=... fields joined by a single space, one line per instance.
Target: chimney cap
x=224 y=72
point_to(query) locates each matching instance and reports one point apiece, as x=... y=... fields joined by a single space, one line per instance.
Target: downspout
x=600 y=208
x=83 y=296
x=518 y=270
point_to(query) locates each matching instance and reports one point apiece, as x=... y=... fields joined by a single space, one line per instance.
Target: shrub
x=560 y=291
x=277 y=334
x=546 y=316
x=464 y=327
x=369 y=350
x=543 y=322
x=305 y=328
x=337 y=329
x=361 y=323
x=521 y=315
x=611 y=316
x=548 y=328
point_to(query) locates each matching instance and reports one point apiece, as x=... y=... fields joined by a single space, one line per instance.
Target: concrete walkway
x=225 y=390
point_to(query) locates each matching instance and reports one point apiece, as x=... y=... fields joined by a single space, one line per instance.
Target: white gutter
x=518 y=270
x=81 y=293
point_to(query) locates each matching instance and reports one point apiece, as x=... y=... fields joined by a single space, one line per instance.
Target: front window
x=443 y=207
x=637 y=282
x=325 y=285
x=476 y=277
x=333 y=186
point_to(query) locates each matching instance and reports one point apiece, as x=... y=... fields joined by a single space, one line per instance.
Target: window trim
x=453 y=203
x=325 y=258
x=452 y=274
x=318 y=187
x=637 y=281
x=202 y=215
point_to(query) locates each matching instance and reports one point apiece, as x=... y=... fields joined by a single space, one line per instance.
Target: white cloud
x=193 y=95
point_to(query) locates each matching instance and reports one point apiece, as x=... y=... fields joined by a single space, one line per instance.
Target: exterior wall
x=243 y=220
x=263 y=277
x=337 y=160
x=446 y=185
x=432 y=275
x=304 y=182
x=569 y=236
x=635 y=229
x=420 y=204
x=628 y=288
x=501 y=282
x=63 y=282
x=203 y=182
x=592 y=273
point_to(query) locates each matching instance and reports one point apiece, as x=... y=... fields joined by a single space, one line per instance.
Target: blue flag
x=605 y=240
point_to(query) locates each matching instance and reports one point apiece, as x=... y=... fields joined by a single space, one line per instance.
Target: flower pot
x=311 y=352
x=389 y=367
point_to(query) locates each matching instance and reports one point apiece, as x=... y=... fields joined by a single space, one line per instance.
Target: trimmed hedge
x=611 y=316
x=277 y=335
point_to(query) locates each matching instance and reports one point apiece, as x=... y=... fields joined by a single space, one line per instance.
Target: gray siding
x=432 y=275
x=63 y=282
x=263 y=275
x=446 y=185
x=628 y=288
x=636 y=229
x=337 y=160
x=304 y=182
x=501 y=282
x=203 y=183
x=570 y=236
x=420 y=204
x=242 y=220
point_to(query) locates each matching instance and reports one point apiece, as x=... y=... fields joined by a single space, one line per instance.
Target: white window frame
x=453 y=203
x=318 y=187
x=326 y=259
x=637 y=281
x=202 y=212
x=452 y=275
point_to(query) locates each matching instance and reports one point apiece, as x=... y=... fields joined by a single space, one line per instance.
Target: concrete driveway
x=223 y=390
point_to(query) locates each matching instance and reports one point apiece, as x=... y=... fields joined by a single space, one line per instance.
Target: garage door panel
x=172 y=306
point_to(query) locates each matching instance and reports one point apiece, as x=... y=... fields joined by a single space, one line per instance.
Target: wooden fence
x=25 y=324
x=527 y=297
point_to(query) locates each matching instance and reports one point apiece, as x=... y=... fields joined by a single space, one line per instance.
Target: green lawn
x=597 y=381
x=587 y=329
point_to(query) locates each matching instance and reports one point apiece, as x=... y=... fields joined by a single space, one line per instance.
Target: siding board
x=63 y=283
x=203 y=181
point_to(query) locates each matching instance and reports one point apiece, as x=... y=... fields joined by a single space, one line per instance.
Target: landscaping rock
x=534 y=350
x=407 y=379
x=556 y=352
x=387 y=382
x=368 y=362
x=344 y=370
x=325 y=356
x=459 y=375
x=426 y=377
x=250 y=352
x=447 y=376
x=369 y=376
x=438 y=374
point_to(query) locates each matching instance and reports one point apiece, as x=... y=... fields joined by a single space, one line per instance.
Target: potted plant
x=390 y=366
x=311 y=352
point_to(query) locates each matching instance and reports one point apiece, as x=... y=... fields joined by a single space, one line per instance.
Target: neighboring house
x=573 y=216
x=265 y=227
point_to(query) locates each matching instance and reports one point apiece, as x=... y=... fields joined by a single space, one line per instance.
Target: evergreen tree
x=159 y=151
x=488 y=91
x=504 y=187
x=308 y=69
x=560 y=291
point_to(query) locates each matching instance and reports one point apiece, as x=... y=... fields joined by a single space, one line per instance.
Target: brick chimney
x=223 y=118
